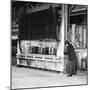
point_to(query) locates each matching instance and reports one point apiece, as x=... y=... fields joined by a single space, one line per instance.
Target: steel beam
x=41 y=8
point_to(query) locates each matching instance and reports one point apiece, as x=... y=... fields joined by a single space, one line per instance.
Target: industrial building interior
x=37 y=33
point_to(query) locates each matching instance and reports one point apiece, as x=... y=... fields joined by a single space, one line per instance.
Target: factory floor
x=23 y=77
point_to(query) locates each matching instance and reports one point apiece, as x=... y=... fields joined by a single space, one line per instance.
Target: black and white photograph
x=49 y=44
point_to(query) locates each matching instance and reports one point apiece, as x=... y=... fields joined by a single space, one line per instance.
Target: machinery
x=41 y=37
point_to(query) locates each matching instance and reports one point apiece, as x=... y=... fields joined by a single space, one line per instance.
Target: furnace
x=41 y=37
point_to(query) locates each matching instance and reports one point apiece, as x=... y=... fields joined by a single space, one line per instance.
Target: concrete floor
x=32 y=78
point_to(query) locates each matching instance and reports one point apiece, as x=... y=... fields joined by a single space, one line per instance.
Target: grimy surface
x=32 y=78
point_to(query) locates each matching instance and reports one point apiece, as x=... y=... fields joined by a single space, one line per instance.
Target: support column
x=63 y=30
x=84 y=37
x=63 y=33
x=73 y=34
x=66 y=16
x=18 y=51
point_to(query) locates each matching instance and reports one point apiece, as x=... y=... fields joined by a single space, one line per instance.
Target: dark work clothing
x=71 y=66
